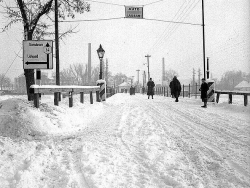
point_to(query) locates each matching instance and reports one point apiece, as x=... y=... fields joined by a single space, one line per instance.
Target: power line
x=11 y=63
x=181 y=17
x=172 y=21
x=164 y=37
x=94 y=20
x=187 y=12
x=159 y=41
x=105 y=3
x=123 y=5
x=153 y=2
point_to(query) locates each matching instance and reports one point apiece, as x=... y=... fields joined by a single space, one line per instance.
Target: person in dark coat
x=176 y=88
x=151 y=86
x=204 y=88
x=171 y=89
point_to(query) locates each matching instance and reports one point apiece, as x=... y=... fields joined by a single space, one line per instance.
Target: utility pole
x=148 y=56
x=163 y=71
x=143 y=79
x=132 y=80
x=106 y=71
x=57 y=44
x=89 y=63
x=193 y=80
x=207 y=67
x=57 y=94
x=199 y=76
x=138 y=76
x=203 y=29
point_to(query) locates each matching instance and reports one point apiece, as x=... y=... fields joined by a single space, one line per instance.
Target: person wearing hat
x=204 y=88
x=151 y=86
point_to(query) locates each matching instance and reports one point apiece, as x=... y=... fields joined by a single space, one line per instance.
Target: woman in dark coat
x=176 y=88
x=204 y=88
x=151 y=86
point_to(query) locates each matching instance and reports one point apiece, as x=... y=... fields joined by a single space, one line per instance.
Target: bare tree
x=5 y=82
x=35 y=16
x=170 y=74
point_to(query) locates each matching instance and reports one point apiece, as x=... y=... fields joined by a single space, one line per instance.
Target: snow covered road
x=125 y=142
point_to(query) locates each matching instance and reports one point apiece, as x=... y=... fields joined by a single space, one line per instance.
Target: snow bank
x=19 y=119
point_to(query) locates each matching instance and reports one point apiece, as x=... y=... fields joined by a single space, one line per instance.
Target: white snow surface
x=128 y=141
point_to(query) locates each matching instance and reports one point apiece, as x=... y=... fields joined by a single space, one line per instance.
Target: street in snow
x=126 y=142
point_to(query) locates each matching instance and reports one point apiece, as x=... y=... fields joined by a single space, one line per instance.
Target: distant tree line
x=5 y=82
x=232 y=78
x=75 y=74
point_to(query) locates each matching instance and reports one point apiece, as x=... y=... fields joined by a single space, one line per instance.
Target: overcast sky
x=128 y=41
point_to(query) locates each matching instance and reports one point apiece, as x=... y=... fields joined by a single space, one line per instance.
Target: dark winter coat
x=204 y=88
x=176 y=87
x=151 y=86
x=171 y=86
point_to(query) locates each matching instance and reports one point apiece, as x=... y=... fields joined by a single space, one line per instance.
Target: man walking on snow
x=176 y=88
x=204 y=88
x=151 y=86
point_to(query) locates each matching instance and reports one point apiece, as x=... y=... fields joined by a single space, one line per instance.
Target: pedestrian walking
x=171 y=88
x=176 y=88
x=204 y=88
x=151 y=86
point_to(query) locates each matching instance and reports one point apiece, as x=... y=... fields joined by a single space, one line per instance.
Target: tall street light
x=100 y=52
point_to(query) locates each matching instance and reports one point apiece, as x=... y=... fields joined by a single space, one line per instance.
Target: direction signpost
x=37 y=54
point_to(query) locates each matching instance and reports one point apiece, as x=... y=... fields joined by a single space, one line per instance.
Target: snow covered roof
x=243 y=84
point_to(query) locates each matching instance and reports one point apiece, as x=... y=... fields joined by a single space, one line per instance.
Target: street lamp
x=100 y=52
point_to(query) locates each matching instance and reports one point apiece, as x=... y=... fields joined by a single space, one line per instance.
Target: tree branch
x=22 y=8
x=46 y=8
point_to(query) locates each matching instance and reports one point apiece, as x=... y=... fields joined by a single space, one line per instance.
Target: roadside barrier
x=37 y=90
x=230 y=95
x=102 y=84
x=210 y=92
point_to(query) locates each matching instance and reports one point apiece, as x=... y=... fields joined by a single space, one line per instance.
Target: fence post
x=189 y=90
x=196 y=90
x=164 y=94
x=230 y=98
x=183 y=90
x=56 y=102
x=70 y=99
x=97 y=96
x=218 y=97
x=81 y=97
x=245 y=100
x=91 y=97
x=167 y=91
x=36 y=100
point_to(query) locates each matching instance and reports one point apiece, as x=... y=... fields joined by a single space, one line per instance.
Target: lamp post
x=100 y=52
